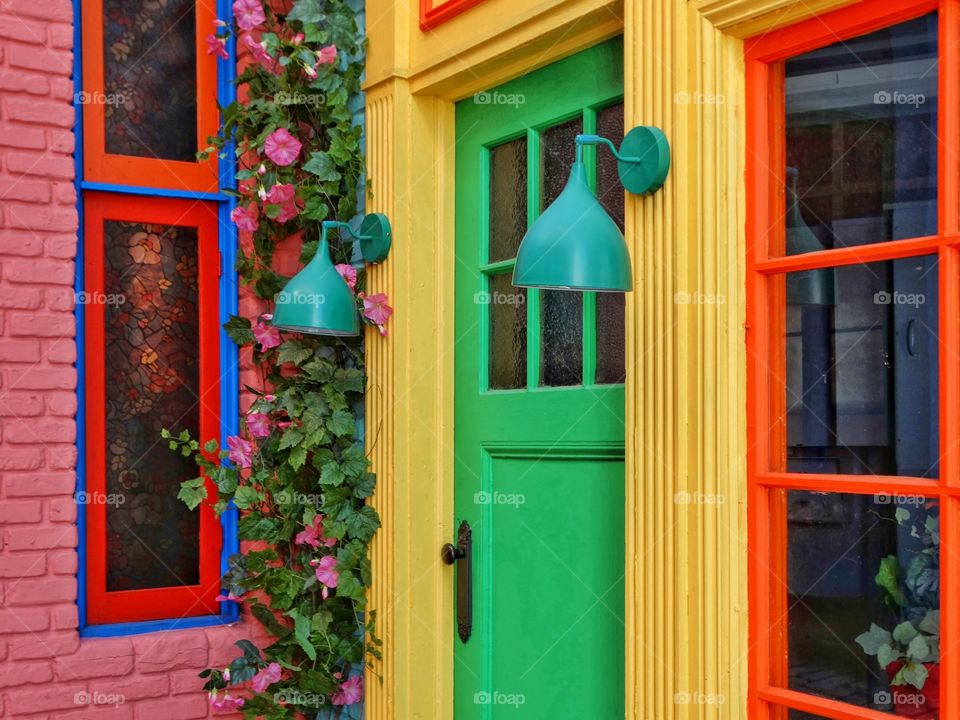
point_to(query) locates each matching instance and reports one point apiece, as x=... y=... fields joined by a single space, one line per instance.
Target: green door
x=539 y=431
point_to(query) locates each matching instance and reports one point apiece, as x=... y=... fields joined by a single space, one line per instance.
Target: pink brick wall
x=46 y=670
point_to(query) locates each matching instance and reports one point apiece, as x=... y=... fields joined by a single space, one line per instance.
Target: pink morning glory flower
x=258 y=424
x=258 y=50
x=313 y=536
x=282 y=147
x=227 y=703
x=377 y=311
x=327 y=575
x=348 y=273
x=327 y=55
x=284 y=196
x=245 y=218
x=248 y=13
x=241 y=451
x=350 y=692
x=229 y=597
x=267 y=335
x=266 y=677
x=217 y=46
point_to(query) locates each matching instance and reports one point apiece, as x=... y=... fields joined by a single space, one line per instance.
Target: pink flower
x=229 y=597
x=245 y=218
x=266 y=677
x=227 y=703
x=350 y=692
x=309 y=71
x=267 y=335
x=248 y=13
x=241 y=451
x=313 y=536
x=327 y=55
x=348 y=273
x=258 y=424
x=217 y=46
x=284 y=196
x=282 y=147
x=327 y=573
x=377 y=311
x=258 y=50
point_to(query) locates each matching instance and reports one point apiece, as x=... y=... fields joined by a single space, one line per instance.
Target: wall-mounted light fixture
x=317 y=300
x=575 y=244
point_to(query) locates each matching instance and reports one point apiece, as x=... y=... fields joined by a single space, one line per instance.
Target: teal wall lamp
x=317 y=300
x=575 y=244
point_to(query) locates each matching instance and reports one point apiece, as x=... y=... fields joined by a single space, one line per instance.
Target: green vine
x=297 y=473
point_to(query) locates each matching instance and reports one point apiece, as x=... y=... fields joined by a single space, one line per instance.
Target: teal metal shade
x=317 y=300
x=574 y=244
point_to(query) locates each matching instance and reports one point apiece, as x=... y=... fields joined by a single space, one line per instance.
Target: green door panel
x=539 y=430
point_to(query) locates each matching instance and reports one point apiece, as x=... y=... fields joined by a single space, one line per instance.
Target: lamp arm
x=598 y=140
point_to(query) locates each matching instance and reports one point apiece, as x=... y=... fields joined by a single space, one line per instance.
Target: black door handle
x=462 y=553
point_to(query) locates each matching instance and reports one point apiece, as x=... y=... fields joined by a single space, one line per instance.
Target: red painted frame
x=100 y=166
x=768 y=480
x=160 y=603
x=433 y=15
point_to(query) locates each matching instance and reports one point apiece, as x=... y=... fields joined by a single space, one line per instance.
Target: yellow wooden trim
x=686 y=604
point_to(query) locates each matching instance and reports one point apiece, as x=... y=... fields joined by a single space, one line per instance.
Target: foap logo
x=698 y=698
x=85 y=97
x=914 y=300
x=285 y=497
x=698 y=98
x=285 y=298
x=899 y=499
x=95 y=697
x=100 y=298
x=295 y=697
x=499 y=298
x=483 y=497
x=496 y=697
x=899 y=699
x=698 y=298
x=299 y=98
x=99 y=498
x=895 y=97
x=698 y=498
x=499 y=98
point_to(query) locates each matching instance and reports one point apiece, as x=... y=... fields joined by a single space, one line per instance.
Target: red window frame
x=768 y=481
x=170 y=602
x=433 y=15
x=100 y=166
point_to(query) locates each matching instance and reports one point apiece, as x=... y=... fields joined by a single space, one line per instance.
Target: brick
x=21 y=459
x=62 y=510
x=185 y=681
x=23 y=565
x=61 y=351
x=61 y=403
x=46 y=591
x=17 y=28
x=63 y=298
x=39 y=485
x=44 y=430
x=180 y=708
x=49 y=10
x=61 y=246
x=65 y=194
x=170 y=651
x=62 y=457
x=19 y=298
x=13 y=512
x=35 y=647
x=100 y=706
x=42 y=538
x=58 y=696
x=97 y=658
x=25 y=673
x=46 y=59
x=65 y=617
x=41 y=379
x=23 y=620
x=63 y=562
x=37 y=324
x=31 y=191
x=24 y=138
x=47 y=217
x=22 y=243
x=16 y=404
x=136 y=687
x=45 y=166
x=62 y=141
x=33 y=271
x=60 y=36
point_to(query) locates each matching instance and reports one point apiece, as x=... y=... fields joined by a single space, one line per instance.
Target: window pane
x=507 y=308
x=508 y=199
x=861 y=139
x=862 y=363
x=609 y=189
x=863 y=599
x=149 y=64
x=557 y=152
x=152 y=382
x=561 y=327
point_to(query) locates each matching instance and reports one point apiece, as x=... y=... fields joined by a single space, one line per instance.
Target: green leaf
x=306 y=11
x=290 y=438
x=301 y=631
x=341 y=423
x=193 y=492
x=904 y=633
x=911 y=674
x=887 y=654
x=295 y=352
x=931 y=623
x=902 y=515
x=888 y=578
x=918 y=649
x=873 y=639
x=246 y=497
x=298 y=456
x=363 y=524
x=332 y=474
x=321 y=165
x=239 y=330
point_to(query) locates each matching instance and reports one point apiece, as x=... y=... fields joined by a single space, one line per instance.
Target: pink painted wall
x=46 y=670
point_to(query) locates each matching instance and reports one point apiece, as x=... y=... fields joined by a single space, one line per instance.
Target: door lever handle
x=462 y=552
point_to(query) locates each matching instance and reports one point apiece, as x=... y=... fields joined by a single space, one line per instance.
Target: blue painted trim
x=230 y=376
x=153 y=192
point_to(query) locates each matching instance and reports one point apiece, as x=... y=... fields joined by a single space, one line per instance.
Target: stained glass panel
x=152 y=382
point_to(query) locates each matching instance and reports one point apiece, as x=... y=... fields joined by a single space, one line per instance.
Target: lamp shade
x=317 y=300
x=574 y=244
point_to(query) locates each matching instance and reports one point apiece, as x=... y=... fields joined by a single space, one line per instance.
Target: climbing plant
x=297 y=472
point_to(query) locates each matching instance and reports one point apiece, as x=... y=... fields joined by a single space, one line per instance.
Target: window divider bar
x=857 y=484
x=833 y=709
x=874 y=252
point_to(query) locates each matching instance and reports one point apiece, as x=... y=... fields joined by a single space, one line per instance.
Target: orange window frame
x=766 y=264
x=101 y=166
x=433 y=15
x=168 y=602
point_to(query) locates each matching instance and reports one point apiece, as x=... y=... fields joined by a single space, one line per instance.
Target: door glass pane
x=861 y=139
x=561 y=331
x=862 y=599
x=507 y=308
x=149 y=66
x=611 y=325
x=152 y=382
x=557 y=151
x=508 y=199
x=862 y=364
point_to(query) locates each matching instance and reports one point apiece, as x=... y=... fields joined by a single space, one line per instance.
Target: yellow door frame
x=686 y=557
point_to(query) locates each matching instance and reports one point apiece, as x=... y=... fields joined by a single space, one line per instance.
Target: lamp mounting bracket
x=643 y=161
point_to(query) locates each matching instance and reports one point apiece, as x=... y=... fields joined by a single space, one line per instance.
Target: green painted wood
x=539 y=471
